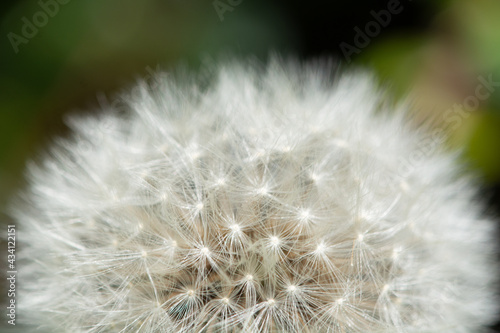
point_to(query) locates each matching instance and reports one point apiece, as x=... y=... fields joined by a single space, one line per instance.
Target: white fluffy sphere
x=261 y=200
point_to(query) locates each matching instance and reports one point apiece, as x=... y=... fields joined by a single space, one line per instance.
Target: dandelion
x=266 y=200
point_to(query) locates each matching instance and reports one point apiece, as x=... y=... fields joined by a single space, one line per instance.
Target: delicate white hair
x=276 y=199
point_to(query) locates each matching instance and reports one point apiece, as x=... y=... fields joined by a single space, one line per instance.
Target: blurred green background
x=59 y=56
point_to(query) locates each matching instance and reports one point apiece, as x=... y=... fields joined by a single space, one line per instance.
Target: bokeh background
x=60 y=56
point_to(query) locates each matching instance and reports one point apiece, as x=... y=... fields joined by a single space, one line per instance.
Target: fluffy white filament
x=263 y=200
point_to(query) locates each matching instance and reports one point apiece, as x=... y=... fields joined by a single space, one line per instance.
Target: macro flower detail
x=260 y=200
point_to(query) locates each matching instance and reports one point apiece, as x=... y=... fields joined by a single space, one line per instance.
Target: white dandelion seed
x=236 y=208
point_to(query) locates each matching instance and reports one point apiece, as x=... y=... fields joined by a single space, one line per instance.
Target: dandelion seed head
x=260 y=201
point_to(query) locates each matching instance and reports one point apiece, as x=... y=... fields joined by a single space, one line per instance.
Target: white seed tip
x=320 y=248
x=263 y=190
x=395 y=253
x=305 y=214
x=194 y=155
x=314 y=177
x=274 y=240
x=235 y=228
